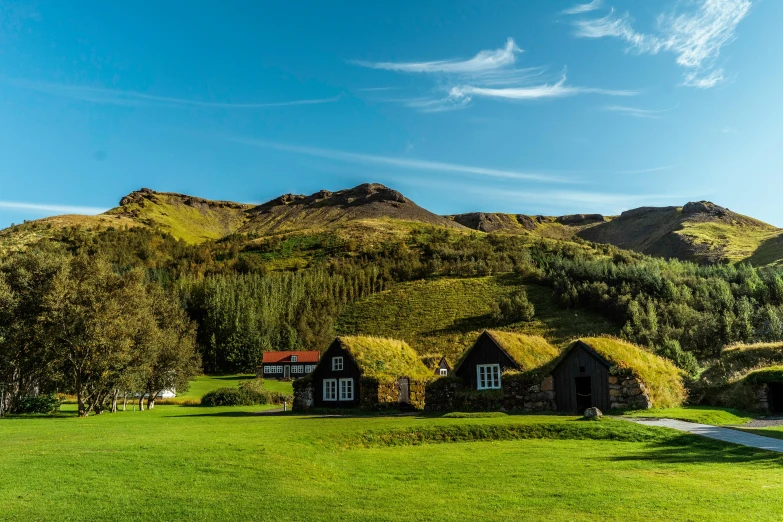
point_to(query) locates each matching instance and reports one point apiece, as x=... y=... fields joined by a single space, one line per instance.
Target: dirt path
x=715 y=432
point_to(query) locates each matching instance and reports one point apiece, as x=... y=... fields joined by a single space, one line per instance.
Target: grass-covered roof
x=661 y=377
x=529 y=351
x=738 y=360
x=385 y=359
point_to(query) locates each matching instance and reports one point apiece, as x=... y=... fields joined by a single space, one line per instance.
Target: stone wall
x=627 y=391
x=519 y=392
x=375 y=395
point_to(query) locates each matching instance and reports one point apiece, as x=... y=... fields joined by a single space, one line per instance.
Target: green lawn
x=700 y=414
x=206 y=383
x=193 y=463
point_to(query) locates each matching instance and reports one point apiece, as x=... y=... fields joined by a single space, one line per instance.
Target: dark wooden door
x=404 y=393
x=584 y=393
x=775 y=397
x=286 y=371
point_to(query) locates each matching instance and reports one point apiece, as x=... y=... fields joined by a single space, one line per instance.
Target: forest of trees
x=135 y=311
x=74 y=324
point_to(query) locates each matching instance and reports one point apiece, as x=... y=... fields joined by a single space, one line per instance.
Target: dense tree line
x=75 y=324
x=241 y=307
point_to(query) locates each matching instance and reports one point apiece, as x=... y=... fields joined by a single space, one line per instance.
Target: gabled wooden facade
x=483 y=364
x=443 y=369
x=336 y=379
x=581 y=380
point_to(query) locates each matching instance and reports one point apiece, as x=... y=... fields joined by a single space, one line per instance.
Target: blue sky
x=527 y=107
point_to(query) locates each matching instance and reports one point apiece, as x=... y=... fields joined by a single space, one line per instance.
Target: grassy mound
x=474 y=415
x=739 y=360
x=385 y=359
x=574 y=430
x=661 y=377
x=699 y=414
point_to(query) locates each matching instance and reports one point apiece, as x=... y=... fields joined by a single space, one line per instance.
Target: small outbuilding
x=367 y=372
x=481 y=367
x=609 y=373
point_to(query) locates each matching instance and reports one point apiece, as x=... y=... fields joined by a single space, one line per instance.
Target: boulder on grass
x=593 y=414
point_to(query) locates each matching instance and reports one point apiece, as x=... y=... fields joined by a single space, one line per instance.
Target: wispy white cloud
x=483 y=61
x=47 y=208
x=584 y=8
x=139 y=99
x=406 y=163
x=695 y=31
x=636 y=111
x=553 y=90
x=489 y=74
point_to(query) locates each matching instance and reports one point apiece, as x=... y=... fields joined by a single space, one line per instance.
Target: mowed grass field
x=206 y=383
x=192 y=463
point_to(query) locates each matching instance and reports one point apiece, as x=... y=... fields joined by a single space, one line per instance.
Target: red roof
x=284 y=357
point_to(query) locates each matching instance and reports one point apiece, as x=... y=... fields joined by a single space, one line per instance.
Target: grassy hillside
x=563 y=227
x=19 y=236
x=191 y=219
x=444 y=316
x=700 y=231
x=191 y=463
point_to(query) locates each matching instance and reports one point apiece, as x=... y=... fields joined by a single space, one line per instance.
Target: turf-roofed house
x=609 y=373
x=748 y=377
x=288 y=364
x=500 y=370
x=366 y=372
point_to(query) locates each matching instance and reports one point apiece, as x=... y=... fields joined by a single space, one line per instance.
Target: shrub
x=46 y=403
x=248 y=393
x=686 y=361
x=513 y=309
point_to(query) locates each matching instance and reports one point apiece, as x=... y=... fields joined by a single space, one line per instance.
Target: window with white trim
x=273 y=369
x=488 y=376
x=294 y=358
x=297 y=368
x=330 y=389
x=309 y=368
x=444 y=372
x=337 y=363
x=346 y=389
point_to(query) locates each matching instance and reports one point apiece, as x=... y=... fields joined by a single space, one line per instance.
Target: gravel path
x=714 y=432
x=764 y=423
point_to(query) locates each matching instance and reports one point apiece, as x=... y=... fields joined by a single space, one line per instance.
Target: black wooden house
x=369 y=372
x=581 y=379
x=495 y=352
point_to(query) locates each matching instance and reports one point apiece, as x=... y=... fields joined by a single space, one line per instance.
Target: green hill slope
x=191 y=219
x=563 y=227
x=701 y=231
x=445 y=315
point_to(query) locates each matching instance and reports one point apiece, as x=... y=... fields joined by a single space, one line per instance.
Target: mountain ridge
x=698 y=231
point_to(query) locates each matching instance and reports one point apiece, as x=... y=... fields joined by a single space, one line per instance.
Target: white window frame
x=488 y=377
x=297 y=368
x=346 y=392
x=443 y=372
x=330 y=390
x=309 y=368
x=337 y=364
x=294 y=358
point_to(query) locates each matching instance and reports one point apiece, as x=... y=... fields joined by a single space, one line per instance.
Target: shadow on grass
x=232 y=377
x=694 y=449
x=223 y=414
